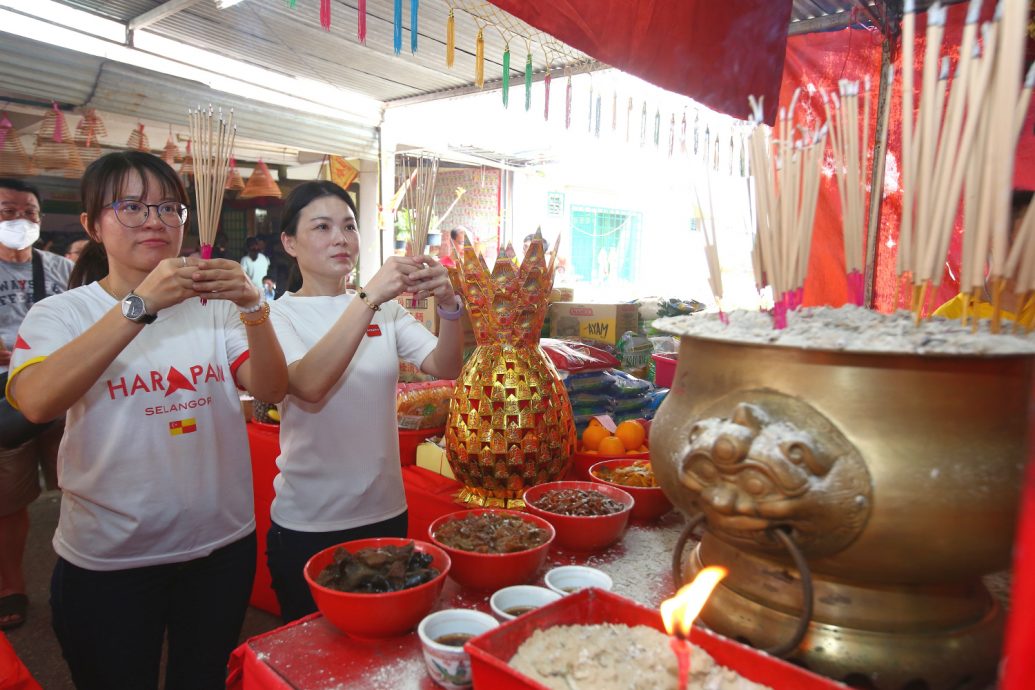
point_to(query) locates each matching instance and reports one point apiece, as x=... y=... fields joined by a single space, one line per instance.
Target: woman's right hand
x=392 y=279
x=169 y=283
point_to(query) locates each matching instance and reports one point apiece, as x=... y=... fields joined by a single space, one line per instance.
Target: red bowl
x=581 y=461
x=650 y=501
x=583 y=533
x=494 y=570
x=376 y=615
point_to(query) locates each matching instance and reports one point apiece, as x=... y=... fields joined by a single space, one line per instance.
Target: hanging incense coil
x=260 y=183
x=171 y=154
x=234 y=181
x=187 y=165
x=87 y=136
x=138 y=140
x=55 y=149
x=14 y=161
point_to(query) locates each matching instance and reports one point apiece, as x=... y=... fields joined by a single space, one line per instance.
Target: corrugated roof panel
x=37 y=71
x=120 y=10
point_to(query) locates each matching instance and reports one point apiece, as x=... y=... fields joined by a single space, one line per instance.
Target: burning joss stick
x=679 y=613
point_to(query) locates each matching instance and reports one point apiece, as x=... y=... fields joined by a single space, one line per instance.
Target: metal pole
x=880 y=153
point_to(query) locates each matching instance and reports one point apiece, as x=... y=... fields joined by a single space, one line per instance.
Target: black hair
x=251 y=242
x=101 y=184
x=529 y=238
x=16 y=185
x=455 y=232
x=1020 y=200
x=305 y=194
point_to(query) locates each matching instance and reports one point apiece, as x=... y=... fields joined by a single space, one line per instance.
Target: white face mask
x=19 y=233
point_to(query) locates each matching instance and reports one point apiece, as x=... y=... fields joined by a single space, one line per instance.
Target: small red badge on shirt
x=20 y=343
x=373 y=330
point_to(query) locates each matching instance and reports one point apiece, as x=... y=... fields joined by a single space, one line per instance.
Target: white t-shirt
x=154 y=466
x=256 y=269
x=339 y=458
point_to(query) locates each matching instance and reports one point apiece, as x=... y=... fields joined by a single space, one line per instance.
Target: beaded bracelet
x=366 y=301
x=265 y=315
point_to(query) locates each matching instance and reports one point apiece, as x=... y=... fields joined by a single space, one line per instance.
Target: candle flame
x=679 y=612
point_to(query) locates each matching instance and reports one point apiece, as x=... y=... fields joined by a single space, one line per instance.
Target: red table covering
x=311 y=654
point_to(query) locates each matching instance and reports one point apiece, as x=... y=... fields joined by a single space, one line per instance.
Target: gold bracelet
x=265 y=315
x=366 y=301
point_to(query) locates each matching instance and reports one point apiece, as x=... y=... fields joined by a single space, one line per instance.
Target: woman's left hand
x=431 y=280
x=224 y=279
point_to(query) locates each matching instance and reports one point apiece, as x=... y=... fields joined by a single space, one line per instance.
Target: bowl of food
x=443 y=635
x=568 y=579
x=374 y=588
x=628 y=440
x=587 y=516
x=636 y=478
x=510 y=602
x=491 y=549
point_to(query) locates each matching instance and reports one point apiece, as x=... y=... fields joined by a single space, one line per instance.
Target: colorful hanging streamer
x=414 y=11
x=528 y=82
x=506 y=75
x=325 y=14
x=450 y=39
x=546 y=94
x=361 y=26
x=479 y=59
x=567 y=105
x=397 y=27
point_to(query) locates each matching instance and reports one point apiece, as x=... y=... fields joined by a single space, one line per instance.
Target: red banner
x=717 y=53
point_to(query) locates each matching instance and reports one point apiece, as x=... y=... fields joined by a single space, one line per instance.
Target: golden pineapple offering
x=510 y=422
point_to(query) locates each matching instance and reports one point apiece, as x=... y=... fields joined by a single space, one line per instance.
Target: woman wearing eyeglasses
x=156 y=534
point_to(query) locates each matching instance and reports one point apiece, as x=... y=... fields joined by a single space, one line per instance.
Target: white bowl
x=448 y=664
x=520 y=596
x=571 y=578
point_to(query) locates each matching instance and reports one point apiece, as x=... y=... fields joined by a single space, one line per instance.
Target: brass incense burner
x=896 y=479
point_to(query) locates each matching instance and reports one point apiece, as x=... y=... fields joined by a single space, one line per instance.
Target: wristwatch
x=134 y=309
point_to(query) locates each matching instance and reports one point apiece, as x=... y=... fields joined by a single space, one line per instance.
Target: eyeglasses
x=133 y=214
x=32 y=215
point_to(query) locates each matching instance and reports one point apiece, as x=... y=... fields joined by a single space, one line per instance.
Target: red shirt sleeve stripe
x=236 y=364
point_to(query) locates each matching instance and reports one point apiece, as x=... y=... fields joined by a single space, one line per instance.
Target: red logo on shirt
x=168 y=383
x=20 y=343
x=373 y=330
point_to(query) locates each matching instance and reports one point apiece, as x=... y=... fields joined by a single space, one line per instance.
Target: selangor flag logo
x=183 y=426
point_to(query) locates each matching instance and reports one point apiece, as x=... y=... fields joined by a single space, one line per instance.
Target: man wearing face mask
x=20 y=265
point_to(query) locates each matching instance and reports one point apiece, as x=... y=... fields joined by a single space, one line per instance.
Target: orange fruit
x=612 y=445
x=631 y=434
x=592 y=437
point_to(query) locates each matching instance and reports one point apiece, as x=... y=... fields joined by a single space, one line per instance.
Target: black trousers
x=287 y=552
x=111 y=624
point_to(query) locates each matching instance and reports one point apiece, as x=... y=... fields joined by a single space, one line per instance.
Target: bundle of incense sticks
x=711 y=245
x=852 y=172
x=965 y=132
x=213 y=135
x=786 y=171
x=421 y=198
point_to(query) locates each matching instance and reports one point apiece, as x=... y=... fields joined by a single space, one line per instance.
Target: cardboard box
x=602 y=322
x=421 y=309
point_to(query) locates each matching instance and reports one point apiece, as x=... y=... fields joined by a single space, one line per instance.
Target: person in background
x=269 y=289
x=156 y=534
x=340 y=477
x=20 y=467
x=75 y=248
x=457 y=238
x=1010 y=307
x=256 y=264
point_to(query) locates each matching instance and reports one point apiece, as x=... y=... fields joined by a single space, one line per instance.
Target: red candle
x=681 y=647
x=1019 y=669
x=679 y=612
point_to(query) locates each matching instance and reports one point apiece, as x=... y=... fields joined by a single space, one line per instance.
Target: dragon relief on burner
x=776 y=463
